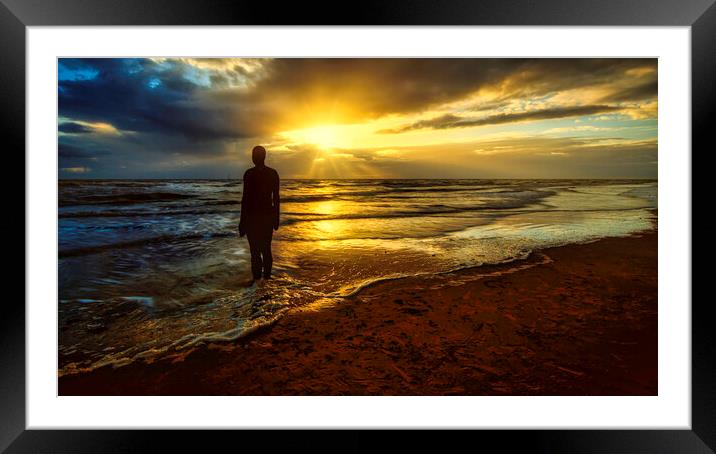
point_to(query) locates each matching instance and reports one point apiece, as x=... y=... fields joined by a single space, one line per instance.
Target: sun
x=325 y=137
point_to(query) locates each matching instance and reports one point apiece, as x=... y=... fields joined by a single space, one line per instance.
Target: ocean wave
x=129 y=198
x=147 y=213
x=503 y=201
x=126 y=198
x=87 y=250
x=243 y=329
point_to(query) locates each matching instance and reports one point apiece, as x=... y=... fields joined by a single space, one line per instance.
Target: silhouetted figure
x=260 y=212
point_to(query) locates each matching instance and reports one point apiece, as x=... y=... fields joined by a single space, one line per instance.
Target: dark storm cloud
x=380 y=86
x=67 y=150
x=71 y=151
x=543 y=76
x=453 y=121
x=71 y=127
x=367 y=88
x=147 y=97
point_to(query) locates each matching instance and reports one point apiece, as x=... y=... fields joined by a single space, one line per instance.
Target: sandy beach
x=573 y=320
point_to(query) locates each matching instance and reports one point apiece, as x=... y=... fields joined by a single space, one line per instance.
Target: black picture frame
x=16 y=15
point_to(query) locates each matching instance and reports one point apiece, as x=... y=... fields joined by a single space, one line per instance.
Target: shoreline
x=582 y=322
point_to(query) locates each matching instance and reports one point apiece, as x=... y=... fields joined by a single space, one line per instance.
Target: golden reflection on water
x=329 y=229
x=329 y=207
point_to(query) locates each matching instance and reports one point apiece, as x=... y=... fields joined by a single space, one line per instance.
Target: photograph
x=357 y=226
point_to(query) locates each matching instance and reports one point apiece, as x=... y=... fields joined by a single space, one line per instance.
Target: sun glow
x=325 y=137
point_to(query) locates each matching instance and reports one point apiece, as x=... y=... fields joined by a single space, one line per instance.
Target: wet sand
x=572 y=320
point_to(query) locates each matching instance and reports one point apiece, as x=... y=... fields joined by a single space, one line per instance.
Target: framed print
x=463 y=217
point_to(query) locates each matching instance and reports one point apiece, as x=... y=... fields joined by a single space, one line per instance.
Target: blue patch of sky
x=611 y=127
x=79 y=73
x=584 y=127
x=154 y=82
x=527 y=103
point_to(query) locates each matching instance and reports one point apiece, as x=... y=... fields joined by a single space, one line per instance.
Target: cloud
x=81 y=127
x=71 y=127
x=573 y=129
x=148 y=97
x=449 y=121
x=76 y=169
x=72 y=154
x=647 y=90
x=345 y=90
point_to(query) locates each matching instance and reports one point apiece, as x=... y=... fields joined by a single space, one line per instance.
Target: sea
x=151 y=268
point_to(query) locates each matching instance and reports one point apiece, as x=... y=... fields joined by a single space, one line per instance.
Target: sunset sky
x=358 y=118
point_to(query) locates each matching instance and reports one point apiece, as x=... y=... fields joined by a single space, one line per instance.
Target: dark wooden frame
x=16 y=15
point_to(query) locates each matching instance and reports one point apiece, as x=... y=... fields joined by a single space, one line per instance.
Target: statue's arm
x=276 y=202
x=242 y=216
